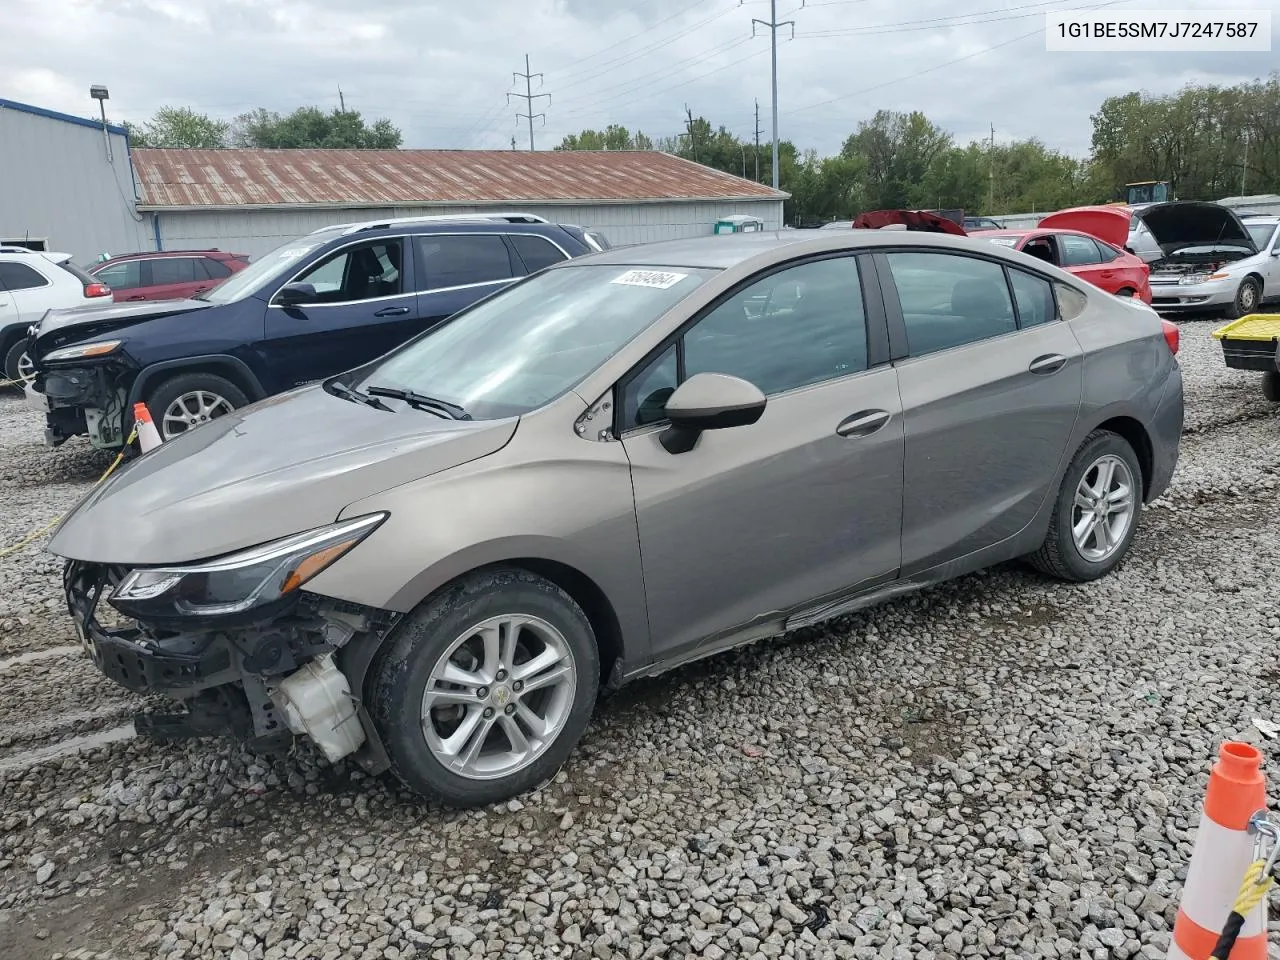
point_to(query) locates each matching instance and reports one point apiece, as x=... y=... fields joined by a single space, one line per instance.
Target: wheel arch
x=1133 y=432
x=230 y=368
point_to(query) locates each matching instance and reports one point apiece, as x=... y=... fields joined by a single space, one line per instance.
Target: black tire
x=1059 y=556
x=1248 y=299
x=11 y=358
x=426 y=635
x=1271 y=385
x=173 y=388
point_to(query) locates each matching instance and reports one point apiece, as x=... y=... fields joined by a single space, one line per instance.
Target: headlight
x=1204 y=277
x=239 y=581
x=84 y=351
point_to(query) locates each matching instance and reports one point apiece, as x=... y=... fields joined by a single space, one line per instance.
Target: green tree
x=312 y=127
x=612 y=137
x=179 y=127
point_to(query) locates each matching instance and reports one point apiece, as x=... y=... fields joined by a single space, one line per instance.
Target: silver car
x=1212 y=260
x=618 y=465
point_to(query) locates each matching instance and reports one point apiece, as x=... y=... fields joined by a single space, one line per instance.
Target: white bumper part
x=316 y=701
x=36 y=400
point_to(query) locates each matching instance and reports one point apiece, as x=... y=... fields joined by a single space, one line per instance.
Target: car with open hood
x=1211 y=259
x=434 y=561
x=1088 y=242
x=311 y=308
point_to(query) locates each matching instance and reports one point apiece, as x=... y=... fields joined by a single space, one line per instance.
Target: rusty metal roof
x=370 y=178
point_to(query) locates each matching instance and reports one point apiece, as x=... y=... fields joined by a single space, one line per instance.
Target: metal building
x=68 y=185
x=250 y=201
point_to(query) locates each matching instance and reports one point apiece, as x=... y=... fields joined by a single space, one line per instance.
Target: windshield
x=240 y=285
x=523 y=347
x=1261 y=233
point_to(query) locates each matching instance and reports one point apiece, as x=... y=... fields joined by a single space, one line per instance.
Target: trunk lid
x=1109 y=224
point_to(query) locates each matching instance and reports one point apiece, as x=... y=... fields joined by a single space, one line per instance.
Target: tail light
x=97 y=290
x=1172 y=335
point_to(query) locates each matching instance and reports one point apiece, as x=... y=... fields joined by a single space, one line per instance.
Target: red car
x=1086 y=241
x=167 y=275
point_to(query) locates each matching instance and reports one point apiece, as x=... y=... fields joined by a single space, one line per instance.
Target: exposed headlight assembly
x=239 y=581
x=83 y=351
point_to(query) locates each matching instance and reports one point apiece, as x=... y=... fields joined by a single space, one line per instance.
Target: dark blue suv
x=310 y=309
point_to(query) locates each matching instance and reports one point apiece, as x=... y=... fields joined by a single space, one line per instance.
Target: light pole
x=99 y=93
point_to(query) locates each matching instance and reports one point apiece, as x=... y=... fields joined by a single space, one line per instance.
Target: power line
x=678 y=13
x=528 y=97
x=936 y=23
x=773 y=26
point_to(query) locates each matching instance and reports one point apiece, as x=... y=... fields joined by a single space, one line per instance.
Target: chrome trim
x=339 y=303
x=348 y=228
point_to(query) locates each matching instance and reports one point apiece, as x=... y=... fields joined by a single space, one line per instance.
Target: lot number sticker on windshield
x=650 y=278
x=1002 y=241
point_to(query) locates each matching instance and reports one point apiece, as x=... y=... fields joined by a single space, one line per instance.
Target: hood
x=911 y=219
x=92 y=320
x=1109 y=224
x=1181 y=224
x=271 y=469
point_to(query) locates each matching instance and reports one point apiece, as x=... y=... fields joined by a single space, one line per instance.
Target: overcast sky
x=441 y=69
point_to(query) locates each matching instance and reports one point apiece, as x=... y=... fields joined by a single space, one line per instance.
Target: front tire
x=1096 y=513
x=486 y=687
x=17 y=368
x=1248 y=296
x=189 y=400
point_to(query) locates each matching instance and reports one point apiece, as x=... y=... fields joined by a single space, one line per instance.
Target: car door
x=364 y=306
x=457 y=269
x=31 y=291
x=172 y=278
x=1081 y=256
x=991 y=380
x=803 y=505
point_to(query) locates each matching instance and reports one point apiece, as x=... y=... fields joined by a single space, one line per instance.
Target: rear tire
x=189 y=400
x=13 y=362
x=452 y=710
x=1104 y=465
x=1271 y=385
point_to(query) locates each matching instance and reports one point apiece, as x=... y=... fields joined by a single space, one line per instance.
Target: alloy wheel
x=1248 y=297
x=26 y=369
x=499 y=696
x=190 y=410
x=1103 y=509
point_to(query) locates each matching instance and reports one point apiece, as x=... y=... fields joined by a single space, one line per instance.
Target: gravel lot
x=999 y=767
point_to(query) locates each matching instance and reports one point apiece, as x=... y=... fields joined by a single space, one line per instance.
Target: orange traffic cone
x=148 y=435
x=1223 y=851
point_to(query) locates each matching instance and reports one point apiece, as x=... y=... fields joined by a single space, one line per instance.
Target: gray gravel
x=998 y=767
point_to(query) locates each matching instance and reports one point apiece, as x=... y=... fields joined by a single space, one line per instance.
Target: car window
x=19 y=276
x=361 y=272
x=126 y=275
x=801 y=325
x=1261 y=234
x=166 y=270
x=1078 y=251
x=1071 y=302
x=536 y=252
x=214 y=269
x=949 y=300
x=645 y=396
x=1034 y=297
x=457 y=261
x=1106 y=251
x=270 y=266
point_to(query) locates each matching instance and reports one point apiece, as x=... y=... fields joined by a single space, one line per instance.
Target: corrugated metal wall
x=58 y=185
x=256 y=231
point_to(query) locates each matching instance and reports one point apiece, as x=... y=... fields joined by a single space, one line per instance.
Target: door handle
x=136 y=296
x=392 y=312
x=863 y=423
x=1049 y=363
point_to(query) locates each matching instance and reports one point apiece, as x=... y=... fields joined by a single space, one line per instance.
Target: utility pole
x=991 y=212
x=528 y=97
x=773 y=26
x=757 y=139
x=342 y=103
x=1244 y=167
x=688 y=126
x=513 y=143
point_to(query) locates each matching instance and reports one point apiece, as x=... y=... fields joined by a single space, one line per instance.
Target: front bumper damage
x=83 y=400
x=297 y=671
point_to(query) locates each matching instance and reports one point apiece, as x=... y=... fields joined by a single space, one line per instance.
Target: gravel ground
x=998 y=767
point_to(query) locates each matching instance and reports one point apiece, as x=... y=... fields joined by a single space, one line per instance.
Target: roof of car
x=148 y=254
x=728 y=250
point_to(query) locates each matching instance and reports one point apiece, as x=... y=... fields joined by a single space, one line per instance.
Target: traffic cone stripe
x=1223 y=851
x=1210 y=890
x=148 y=436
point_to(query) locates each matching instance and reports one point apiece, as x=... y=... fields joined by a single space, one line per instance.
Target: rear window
x=215 y=269
x=536 y=252
x=124 y=275
x=81 y=275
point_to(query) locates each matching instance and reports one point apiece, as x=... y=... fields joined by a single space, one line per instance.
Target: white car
x=32 y=282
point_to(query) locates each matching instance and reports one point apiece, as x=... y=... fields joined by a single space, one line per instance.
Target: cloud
x=442 y=70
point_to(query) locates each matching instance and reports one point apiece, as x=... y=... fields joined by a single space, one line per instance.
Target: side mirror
x=294 y=293
x=709 y=401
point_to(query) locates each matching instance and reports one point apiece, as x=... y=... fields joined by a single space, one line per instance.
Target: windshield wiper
x=342 y=390
x=420 y=401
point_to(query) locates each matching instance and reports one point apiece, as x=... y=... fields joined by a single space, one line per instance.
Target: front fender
x=234 y=369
